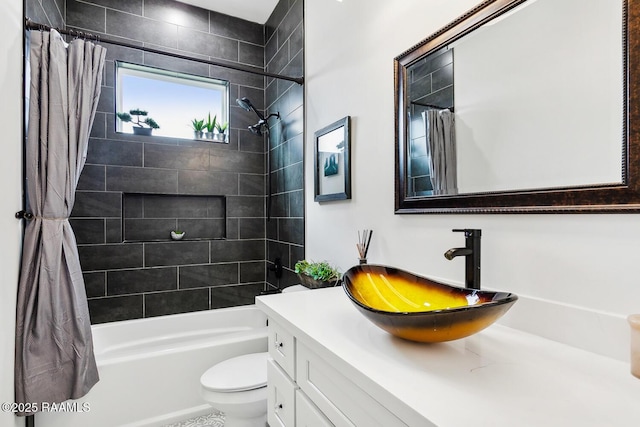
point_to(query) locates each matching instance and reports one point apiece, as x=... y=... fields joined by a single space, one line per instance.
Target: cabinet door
x=282 y=348
x=280 y=397
x=307 y=415
x=343 y=402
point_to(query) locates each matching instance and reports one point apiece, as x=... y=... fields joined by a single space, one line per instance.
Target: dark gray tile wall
x=49 y=12
x=430 y=84
x=284 y=54
x=126 y=280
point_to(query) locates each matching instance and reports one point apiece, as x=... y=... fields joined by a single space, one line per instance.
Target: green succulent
x=211 y=124
x=198 y=125
x=221 y=127
x=317 y=270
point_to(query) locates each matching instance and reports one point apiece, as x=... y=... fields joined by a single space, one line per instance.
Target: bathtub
x=150 y=368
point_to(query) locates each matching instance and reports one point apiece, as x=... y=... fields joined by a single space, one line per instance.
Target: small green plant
x=221 y=127
x=211 y=124
x=317 y=270
x=148 y=121
x=198 y=125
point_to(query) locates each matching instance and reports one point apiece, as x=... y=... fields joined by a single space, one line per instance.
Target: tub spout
x=471 y=253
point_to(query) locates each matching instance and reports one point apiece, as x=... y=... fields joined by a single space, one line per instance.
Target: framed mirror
x=522 y=106
x=332 y=164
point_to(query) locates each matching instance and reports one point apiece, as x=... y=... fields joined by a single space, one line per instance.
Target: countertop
x=498 y=377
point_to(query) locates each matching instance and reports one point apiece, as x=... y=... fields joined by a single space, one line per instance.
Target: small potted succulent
x=177 y=234
x=221 y=128
x=198 y=128
x=140 y=126
x=316 y=274
x=211 y=125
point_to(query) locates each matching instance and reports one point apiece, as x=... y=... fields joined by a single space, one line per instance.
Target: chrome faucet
x=471 y=252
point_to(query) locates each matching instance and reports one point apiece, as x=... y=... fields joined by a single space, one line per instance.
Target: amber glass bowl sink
x=420 y=309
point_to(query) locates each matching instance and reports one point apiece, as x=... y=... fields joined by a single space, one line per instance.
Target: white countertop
x=498 y=377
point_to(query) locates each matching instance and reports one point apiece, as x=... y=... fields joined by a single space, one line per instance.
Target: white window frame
x=147 y=72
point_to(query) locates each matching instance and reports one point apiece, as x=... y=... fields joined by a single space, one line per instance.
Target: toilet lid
x=242 y=373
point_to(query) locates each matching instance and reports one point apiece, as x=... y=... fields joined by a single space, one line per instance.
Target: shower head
x=262 y=126
x=257 y=128
x=246 y=104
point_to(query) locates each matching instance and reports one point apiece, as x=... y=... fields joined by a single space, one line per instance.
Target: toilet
x=238 y=387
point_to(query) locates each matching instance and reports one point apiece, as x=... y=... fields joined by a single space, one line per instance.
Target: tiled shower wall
x=126 y=280
x=284 y=54
x=49 y=12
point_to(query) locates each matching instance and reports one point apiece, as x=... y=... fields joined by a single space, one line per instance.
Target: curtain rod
x=31 y=25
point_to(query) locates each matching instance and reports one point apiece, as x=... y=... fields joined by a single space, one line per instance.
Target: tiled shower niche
x=152 y=217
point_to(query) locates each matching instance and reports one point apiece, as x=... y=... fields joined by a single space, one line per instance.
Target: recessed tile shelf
x=151 y=217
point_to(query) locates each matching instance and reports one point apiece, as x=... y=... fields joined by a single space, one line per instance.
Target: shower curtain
x=54 y=348
x=441 y=147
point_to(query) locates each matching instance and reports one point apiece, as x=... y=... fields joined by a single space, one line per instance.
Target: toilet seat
x=242 y=373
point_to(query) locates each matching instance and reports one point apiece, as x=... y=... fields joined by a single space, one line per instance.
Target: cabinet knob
x=279 y=344
x=279 y=406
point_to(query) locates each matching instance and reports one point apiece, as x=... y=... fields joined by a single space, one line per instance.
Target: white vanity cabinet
x=304 y=390
x=287 y=405
x=332 y=367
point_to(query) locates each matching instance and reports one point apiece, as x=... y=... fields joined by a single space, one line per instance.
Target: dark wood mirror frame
x=617 y=198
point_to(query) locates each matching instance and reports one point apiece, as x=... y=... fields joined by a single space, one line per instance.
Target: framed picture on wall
x=332 y=162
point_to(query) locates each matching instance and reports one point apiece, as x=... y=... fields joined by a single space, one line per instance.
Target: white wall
x=10 y=191
x=575 y=274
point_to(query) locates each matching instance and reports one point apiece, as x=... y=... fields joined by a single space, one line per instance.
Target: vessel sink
x=420 y=309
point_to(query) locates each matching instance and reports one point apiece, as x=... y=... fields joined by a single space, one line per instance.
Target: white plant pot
x=176 y=236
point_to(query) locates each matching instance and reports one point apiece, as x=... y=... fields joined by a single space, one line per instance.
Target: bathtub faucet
x=471 y=253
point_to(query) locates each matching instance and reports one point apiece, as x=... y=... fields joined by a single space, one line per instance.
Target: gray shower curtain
x=441 y=147
x=54 y=348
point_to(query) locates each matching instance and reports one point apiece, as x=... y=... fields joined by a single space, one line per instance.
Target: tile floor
x=214 y=419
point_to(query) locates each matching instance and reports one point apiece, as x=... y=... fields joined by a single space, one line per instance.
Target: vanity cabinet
x=330 y=366
x=304 y=390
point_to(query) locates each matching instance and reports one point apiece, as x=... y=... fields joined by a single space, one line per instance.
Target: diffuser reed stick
x=364 y=240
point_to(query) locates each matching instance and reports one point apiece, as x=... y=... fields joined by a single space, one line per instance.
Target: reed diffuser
x=364 y=239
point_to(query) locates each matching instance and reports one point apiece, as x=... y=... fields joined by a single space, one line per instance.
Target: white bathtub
x=150 y=368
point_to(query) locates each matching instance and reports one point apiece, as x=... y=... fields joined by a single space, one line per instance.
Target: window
x=172 y=99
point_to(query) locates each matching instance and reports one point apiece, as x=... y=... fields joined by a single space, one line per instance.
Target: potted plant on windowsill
x=316 y=274
x=140 y=126
x=198 y=128
x=221 y=128
x=211 y=125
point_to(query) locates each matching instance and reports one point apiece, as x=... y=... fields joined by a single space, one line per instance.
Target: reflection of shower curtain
x=54 y=348
x=441 y=147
